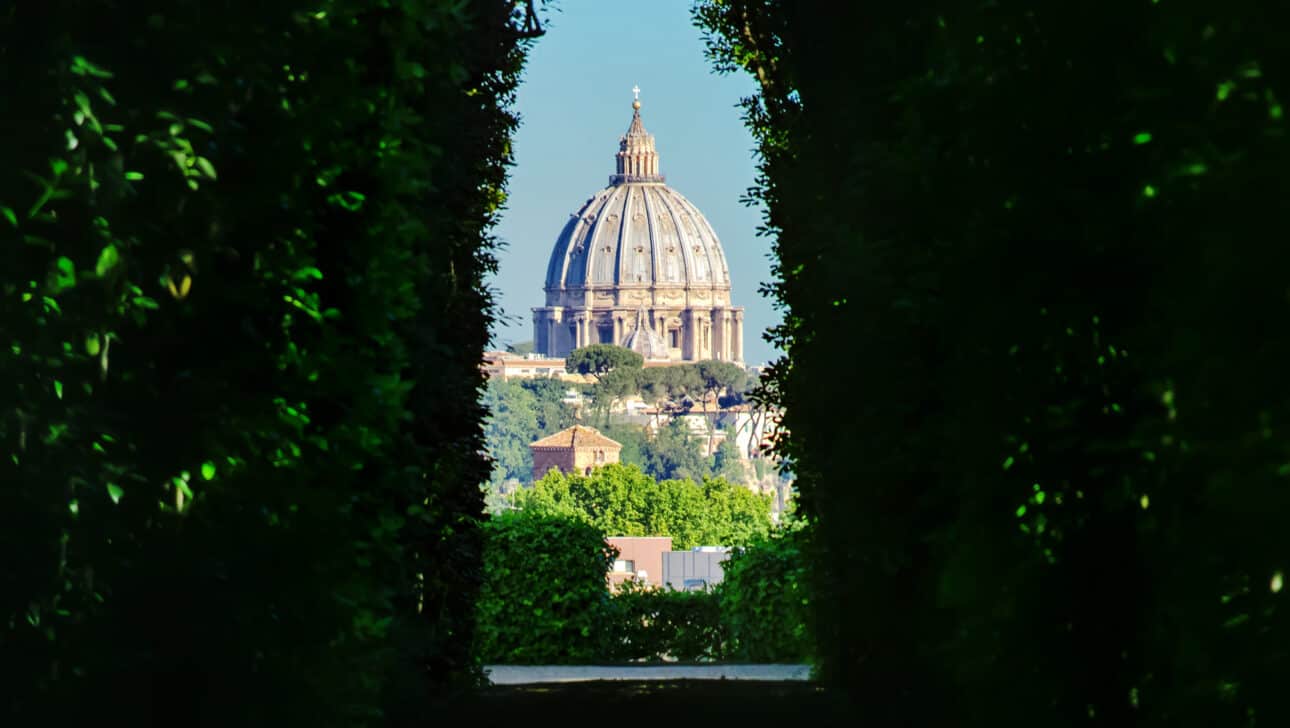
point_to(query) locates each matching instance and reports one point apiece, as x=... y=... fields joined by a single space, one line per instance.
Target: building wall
x=645 y=553
x=586 y=458
x=545 y=459
x=572 y=460
x=681 y=565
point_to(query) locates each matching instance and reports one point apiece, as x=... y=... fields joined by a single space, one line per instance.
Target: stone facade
x=638 y=253
x=575 y=450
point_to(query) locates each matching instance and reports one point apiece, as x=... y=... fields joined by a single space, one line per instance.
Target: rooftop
x=576 y=436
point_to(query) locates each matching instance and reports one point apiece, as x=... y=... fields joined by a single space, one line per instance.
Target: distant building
x=505 y=365
x=575 y=450
x=639 y=558
x=695 y=570
x=639 y=266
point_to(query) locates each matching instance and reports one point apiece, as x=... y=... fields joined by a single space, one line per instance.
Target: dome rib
x=579 y=260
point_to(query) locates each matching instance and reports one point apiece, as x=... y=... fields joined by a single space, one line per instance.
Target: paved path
x=530 y=674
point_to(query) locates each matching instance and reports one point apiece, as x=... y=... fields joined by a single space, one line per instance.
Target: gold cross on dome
x=636 y=93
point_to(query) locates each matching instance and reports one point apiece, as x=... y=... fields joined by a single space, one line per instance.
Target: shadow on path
x=667 y=702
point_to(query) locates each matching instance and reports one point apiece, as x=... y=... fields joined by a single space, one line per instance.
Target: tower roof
x=576 y=436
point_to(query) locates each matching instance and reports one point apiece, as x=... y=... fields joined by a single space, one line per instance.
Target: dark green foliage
x=647 y=624
x=242 y=307
x=543 y=600
x=620 y=500
x=673 y=454
x=612 y=387
x=722 y=376
x=600 y=359
x=634 y=440
x=552 y=413
x=511 y=425
x=671 y=383
x=765 y=601
x=1043 y=237
x=727 y=464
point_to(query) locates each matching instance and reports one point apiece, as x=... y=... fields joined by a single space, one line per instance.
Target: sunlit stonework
x=638 y=265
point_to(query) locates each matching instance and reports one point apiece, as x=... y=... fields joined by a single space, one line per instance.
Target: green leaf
x=58 y=389
x=9 y=215
x=64 y=276
x=109 y=257
x=206 y=167
x=82 y=67
x=134 y=176
x=115 y=492
x=92 y=345
x=208 y=470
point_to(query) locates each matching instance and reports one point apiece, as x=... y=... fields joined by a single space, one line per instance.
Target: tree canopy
x=620 y=500
x=721 y=376
x=600 y=359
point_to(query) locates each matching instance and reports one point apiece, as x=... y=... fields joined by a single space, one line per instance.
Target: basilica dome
x=637 y=232
x=637 y=255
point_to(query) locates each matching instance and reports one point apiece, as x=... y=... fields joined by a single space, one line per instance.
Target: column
x=694 y=334
x=618 y=329
x=715 y=329
x=725 y=336
x=731 y=355
x=721 y=348
x=738 y=353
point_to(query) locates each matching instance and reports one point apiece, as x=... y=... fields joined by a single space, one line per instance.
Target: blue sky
x=574 y=103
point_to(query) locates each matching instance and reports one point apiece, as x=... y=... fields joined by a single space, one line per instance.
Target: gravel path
x=531 y=674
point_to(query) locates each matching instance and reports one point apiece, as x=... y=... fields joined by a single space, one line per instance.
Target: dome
x=645 y=341
x=639 y=266
x=637 y=232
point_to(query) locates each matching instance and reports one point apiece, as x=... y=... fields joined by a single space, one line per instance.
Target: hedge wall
x=243 y=304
